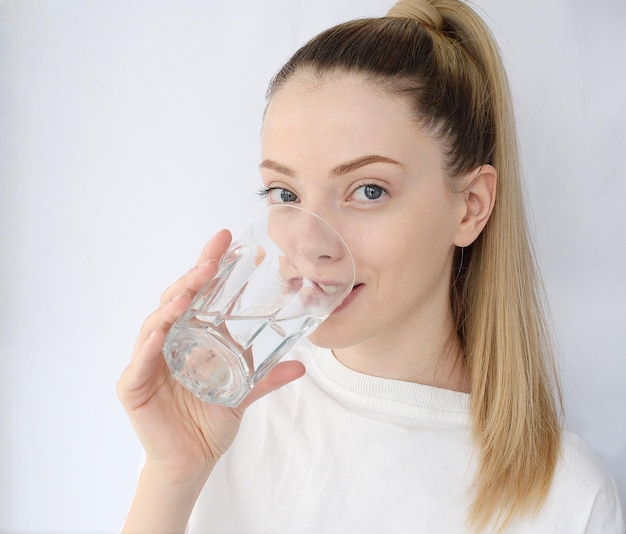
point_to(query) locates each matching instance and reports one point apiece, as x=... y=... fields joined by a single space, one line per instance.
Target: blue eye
x=287 y=196
x=369 y=192
x=278 y=194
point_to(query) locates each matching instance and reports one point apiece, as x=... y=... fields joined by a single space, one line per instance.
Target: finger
x=142 y=377
x=216 y=247
x=163 y=318
x=203 y=271
x=278 y=377
x=190 y=283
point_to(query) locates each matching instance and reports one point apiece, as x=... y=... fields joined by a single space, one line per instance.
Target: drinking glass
x=276 y=283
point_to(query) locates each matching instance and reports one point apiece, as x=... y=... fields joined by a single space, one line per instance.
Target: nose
x=308 y=241
x=315 y=240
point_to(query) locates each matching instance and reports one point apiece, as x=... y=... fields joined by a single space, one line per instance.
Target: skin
x=378 y=179
x=182 y=436
x=319 y=137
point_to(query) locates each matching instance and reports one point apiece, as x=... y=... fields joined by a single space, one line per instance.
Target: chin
x=331 y=334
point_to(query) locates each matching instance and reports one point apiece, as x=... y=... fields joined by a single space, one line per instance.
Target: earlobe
x=479 y=199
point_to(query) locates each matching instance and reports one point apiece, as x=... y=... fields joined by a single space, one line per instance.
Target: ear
x=479 y=197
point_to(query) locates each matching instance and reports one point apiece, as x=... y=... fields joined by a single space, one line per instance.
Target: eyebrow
x=273 y=166
x=340 y=170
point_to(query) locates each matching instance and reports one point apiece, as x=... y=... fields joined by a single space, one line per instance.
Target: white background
x=129 y=134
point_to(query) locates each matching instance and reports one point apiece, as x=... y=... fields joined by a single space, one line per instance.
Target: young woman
x=430 y=403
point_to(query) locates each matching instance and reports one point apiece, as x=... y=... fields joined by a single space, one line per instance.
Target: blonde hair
x=441 y=56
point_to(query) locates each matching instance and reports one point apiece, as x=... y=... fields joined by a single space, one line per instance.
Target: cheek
x=416 y=249
x=432 y=227
x=382 y=256
x=415 y=234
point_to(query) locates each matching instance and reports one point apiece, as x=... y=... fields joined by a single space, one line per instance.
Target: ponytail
x=516 y=399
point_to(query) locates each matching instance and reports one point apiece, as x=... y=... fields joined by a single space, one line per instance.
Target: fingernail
x=205 y=263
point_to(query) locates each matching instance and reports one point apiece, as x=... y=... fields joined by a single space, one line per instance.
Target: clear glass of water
x=275 y=284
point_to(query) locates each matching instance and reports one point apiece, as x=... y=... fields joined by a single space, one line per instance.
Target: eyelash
x=265 y=192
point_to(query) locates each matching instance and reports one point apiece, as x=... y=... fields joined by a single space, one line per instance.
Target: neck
x=429 y=353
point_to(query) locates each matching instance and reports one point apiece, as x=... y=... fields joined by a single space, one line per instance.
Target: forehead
x=342 y=115
x=338 y=94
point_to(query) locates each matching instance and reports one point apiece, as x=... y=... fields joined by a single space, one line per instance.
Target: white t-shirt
x=341 y=452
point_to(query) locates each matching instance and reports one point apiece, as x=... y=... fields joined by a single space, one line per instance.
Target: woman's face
x=353 y=155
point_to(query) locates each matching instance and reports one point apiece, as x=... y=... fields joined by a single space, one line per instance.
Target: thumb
x=279 y=376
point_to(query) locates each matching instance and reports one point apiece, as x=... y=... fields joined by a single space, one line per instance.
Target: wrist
x=163 y=503
x=185 y=477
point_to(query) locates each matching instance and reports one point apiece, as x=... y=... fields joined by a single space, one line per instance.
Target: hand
x=183 y=437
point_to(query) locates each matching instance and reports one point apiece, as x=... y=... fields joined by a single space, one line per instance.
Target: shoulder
x=582 y=486
x=579 y=466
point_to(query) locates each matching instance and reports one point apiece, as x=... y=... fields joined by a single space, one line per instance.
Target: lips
x=356 y=289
